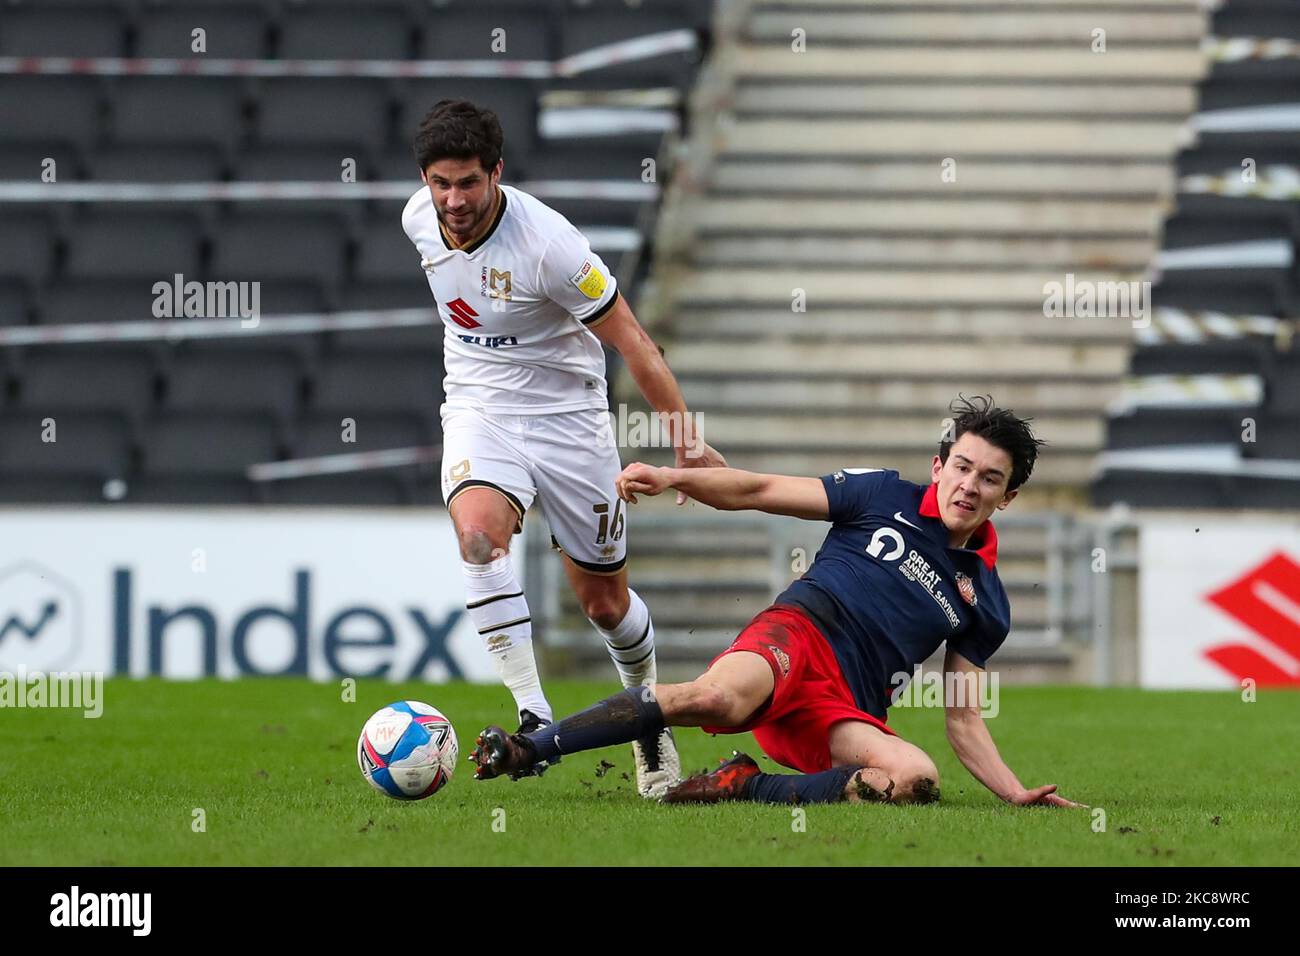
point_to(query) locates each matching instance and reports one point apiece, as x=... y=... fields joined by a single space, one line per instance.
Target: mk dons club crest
x=494 y=284
x=967 y=588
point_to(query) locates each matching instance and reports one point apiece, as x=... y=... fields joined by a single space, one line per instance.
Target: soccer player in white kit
x=525 y=306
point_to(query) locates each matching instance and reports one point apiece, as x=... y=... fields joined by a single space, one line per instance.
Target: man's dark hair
x=999 y=427
x=457 y=129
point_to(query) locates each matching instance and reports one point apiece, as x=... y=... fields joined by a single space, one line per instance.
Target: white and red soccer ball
x=407 y=750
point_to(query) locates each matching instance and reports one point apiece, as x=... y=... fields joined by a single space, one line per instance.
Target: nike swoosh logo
x=898 y=516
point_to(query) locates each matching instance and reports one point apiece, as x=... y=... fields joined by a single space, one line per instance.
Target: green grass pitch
x=1184 y=779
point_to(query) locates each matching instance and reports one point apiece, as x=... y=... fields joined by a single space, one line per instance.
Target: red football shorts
x=810 y=695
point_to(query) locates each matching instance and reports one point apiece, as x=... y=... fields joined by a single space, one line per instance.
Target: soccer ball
x=407 y=750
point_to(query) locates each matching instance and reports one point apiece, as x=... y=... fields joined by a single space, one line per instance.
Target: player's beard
x=476 y=226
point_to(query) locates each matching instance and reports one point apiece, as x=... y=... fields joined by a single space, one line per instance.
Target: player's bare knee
x=912 y=782
x=605 y=610
x=918 y=783
x=476 y=546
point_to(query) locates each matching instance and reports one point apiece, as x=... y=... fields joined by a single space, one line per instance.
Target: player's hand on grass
x=699 y=455
x=639 y=479
x=1044 y=796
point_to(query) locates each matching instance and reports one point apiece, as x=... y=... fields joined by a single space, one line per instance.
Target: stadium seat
x=68 y=302
x=177 y=163
x=50 y=490
x=472 y=36
x=83 y=30
x=24 y=160
x=206 y=445
x=514 y=102
x=584 y=31
x=191 y=490
x=1153 y=427
x=120 y=381
x=262 y=245
x=397 y=164
x=26 y=246
x=234 y=30
x=1283 y=385
x=213 y=379
x=322 y=434
x=407 y=292
x=341 y=113
x=71 y=109
x=384 y=253
x=1277 y=437
x=162 y=244
x=297 y=164
x=1233 y=293
x=376 y=488
x=572 y=162
x=378 y=382
x=314 y=31
x=15 y=306
x=91 y=445
x=205 y=110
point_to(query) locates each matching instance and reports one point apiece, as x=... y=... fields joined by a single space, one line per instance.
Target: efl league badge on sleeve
x=589 y=280
x=967 y=588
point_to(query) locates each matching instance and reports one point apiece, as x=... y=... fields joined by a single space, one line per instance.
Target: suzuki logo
x=1266 y=600
x=462 y=314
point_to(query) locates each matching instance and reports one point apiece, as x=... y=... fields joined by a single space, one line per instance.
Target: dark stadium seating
x=179 y=421
x=1234 y=255
x=234 y=30
x=177 y=109
x=122 y=382
x=97 y=30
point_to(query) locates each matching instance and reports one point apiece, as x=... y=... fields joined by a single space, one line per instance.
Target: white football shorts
x=567 y=461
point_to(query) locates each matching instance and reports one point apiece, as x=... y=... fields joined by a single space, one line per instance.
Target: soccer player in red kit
x=904 y=569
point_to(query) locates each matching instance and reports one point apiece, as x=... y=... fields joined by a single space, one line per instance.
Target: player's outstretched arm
x=969 y=737
x=645 y=363
x=729 y=489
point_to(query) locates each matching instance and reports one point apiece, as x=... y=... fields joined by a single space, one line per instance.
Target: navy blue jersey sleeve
x=988 y=629
x=978 y=642
x=849 y=491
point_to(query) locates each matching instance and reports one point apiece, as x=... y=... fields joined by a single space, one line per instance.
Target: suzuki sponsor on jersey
x=229 y=593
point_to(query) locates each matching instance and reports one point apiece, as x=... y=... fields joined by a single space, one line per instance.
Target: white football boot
x=657 y=765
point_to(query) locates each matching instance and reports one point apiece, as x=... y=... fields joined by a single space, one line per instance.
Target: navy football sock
x=825 y=787
x=631 y=715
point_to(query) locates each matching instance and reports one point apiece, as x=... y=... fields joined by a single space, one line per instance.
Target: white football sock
x=496 y=605
x=631 y=644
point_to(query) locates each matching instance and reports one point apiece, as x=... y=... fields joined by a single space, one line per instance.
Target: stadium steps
x=841 y=23
x=778 y=326
x=755 y=97
x=840 y=62
x=740 y=248
x=950 y=216
x=885 y=176
x=728 y=359
x=823 y=286
x=798 y=290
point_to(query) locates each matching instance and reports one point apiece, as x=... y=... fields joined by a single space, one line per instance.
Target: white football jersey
x=517 y=308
